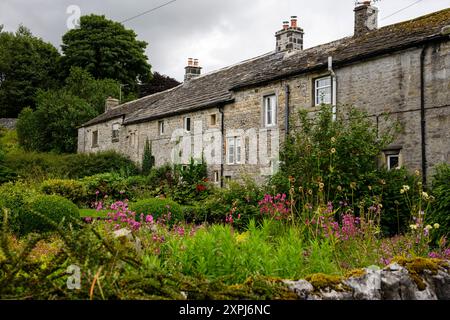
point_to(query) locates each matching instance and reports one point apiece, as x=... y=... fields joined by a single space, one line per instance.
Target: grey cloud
x=217 y=32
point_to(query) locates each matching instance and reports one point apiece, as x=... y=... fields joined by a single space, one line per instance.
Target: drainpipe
x=422 y=114
x=286 y=120
x=333 y=86
x=222 y=131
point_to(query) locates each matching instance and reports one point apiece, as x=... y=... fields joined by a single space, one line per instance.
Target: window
x=95 y=139
x=161 y=127
x=234 y=150
x=322 y=90
x=115 y=132
x=213 y=119
x=187 y=124
x=227 y=178
x=270 y=110
x=216 y=176
x=393 y=161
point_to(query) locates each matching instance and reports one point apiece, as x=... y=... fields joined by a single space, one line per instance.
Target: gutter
x=286 y=119
x=333 y=87
x=422 y=115
x=222 y=131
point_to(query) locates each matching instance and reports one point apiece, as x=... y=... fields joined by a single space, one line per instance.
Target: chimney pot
x=285 y=25
x=294 y=22
x=192 y=69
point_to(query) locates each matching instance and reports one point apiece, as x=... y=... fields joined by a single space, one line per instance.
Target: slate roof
x=216 y=87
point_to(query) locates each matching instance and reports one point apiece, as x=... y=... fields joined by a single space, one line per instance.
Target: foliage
x=82 y=84
x=147 y=158
x=41 y=166
x=158 y=83
x=336 y=160
x=14 y=197
x=72 y=190
x=6 y=174
x=54 y=124
x=441 y=206
x=240 y=200
x=159 y=208
x=191 y=182
x=48 y=207
x=59 y=113
x=27 y=64
x=106 y=50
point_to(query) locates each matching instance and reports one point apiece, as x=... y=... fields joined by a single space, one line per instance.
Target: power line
x=398 y=11
x=148 y=11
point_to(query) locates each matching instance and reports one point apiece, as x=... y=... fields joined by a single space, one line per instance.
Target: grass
x=93 y=213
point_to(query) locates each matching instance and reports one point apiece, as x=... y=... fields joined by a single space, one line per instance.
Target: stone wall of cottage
x=386 y=84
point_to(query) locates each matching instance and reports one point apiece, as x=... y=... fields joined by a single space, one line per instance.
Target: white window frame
x=234 y=150
x=270 y=107
x=317 y=88
x=161 y=127
x=185 y=121
x=388 y=162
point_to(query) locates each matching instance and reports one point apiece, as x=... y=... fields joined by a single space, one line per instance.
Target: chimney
x=111 y=103
x=366 y=18
x=193 y=69
x=290 y=37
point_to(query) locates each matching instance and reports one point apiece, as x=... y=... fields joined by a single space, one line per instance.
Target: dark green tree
x=27 y=64
x=147 y=158
x=107 y=51
x=158 y=83
x=83 y=85
x=54 y=124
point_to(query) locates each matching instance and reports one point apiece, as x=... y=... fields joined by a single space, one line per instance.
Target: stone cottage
x=238 y=116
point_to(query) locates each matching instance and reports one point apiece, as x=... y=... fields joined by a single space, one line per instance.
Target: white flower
x=428 y=227
x=436 y=225
x=413 y=226
x=425 y=195
x=406 y=188
x=402 y=191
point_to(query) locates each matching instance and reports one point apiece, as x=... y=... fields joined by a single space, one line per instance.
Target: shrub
x=73 y=190
x=191 y=182
x=14 y=197
x=440 y=212
x=239 y=200
x=55 y=208
x=41 y=166
x=158 y=208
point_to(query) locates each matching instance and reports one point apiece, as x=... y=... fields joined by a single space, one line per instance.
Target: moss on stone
x=417 y=266
x=322 y=281
x=356 y=273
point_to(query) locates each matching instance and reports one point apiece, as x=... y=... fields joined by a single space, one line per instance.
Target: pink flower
x=149 y=219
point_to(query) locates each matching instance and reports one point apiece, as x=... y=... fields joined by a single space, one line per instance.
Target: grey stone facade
x=382 y=82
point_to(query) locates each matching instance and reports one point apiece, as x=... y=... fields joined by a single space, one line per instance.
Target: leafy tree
x=147 y=158
x=158 y=83
x=107 y=51
x=83 y=85
x=53 y=126
x=27 y=64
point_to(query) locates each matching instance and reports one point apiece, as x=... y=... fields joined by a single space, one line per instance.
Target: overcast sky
x=217 y=32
